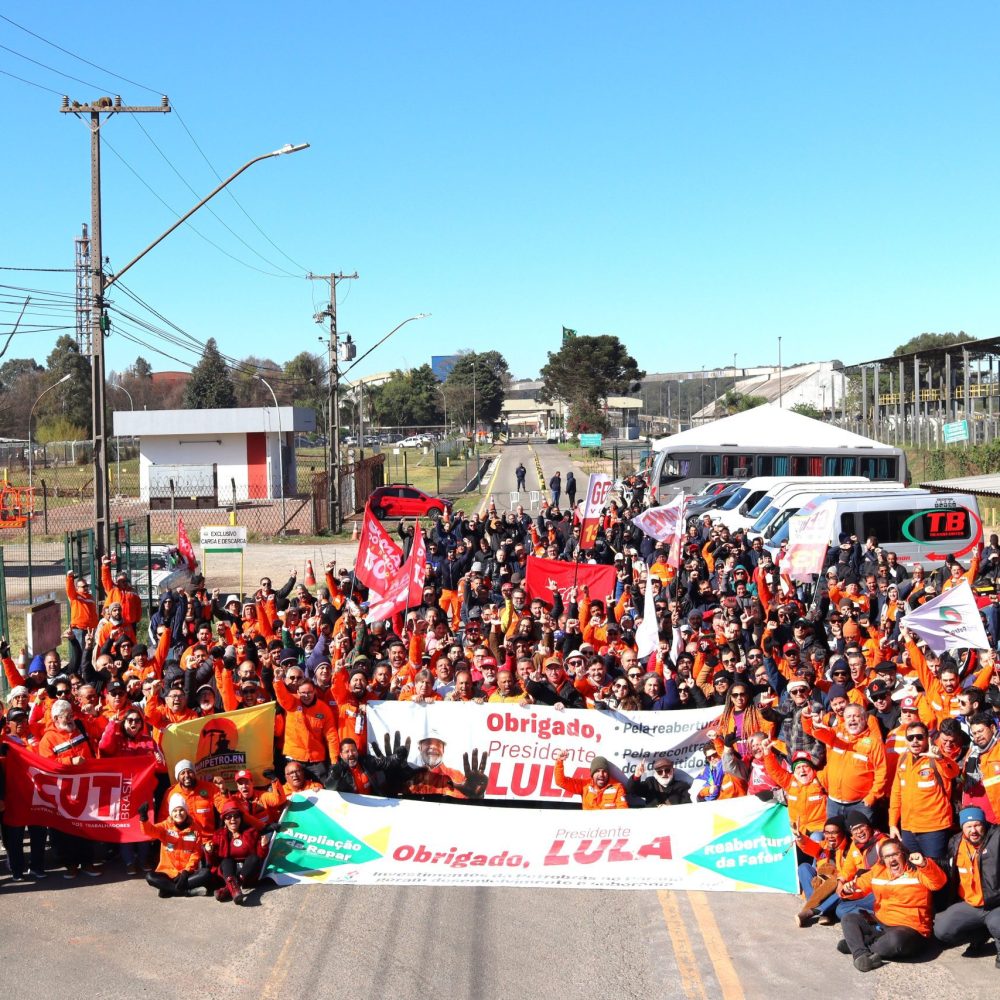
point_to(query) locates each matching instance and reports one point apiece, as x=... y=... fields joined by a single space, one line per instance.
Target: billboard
x=442 y=364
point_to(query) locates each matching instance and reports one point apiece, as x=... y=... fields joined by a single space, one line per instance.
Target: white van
x=795 y=503
x=925 y=527
x=737 y=513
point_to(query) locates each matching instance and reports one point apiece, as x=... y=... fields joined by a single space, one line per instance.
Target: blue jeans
x=845 y=906
x=933 y=844
x=139 y=853
x=841 y=809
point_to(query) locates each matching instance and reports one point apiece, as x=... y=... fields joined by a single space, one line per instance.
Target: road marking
x=272 y=986
x=687 y=965
x=489 y=489
x=725 y=971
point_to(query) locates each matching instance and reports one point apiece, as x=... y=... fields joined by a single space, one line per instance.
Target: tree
x=737 y=402
x=249 y=389
x=210 y=385
x=588 y=418
x=141 y=369
x=11 y=371
x=305 y=381
x=71 y=400
x=408 y=399
x=476 y=387
x=926 y=342
x=807 y=410
x=588 y=369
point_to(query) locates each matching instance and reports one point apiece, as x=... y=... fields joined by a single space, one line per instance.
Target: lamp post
x=780 y=402
x=99 y=286
x=31 y=413
x=281 y=457
x=118 y=440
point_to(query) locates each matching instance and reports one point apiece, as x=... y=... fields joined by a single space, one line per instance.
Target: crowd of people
x=885 y=753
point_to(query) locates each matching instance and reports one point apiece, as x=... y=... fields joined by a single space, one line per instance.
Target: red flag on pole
x=97 y=799
x=599 y=580
x=184 y=545
x=378 y=558
x=405 y=587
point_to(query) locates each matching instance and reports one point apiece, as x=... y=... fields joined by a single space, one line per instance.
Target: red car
x=401 y=500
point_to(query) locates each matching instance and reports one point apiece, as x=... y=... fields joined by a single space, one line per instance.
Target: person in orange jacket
x=198 y=796
x=600 y=792
x=119 y=591
x=920 y=813
x=804 y=792
x=179 y=872
x=902 y=924
x=297 y=779
x=856 y=769
x=264 y=806
x=311 y=735
x=82 y=607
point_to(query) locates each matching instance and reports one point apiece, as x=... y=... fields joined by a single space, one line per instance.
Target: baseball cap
x=243 y=776
x=908 y=704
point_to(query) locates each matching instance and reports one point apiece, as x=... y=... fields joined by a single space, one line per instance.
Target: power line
x=234 y=198
x=47 y=270
x=162 y=201
x=67 y=52
x=30 y=83
x=51 y=69
x=211 y=211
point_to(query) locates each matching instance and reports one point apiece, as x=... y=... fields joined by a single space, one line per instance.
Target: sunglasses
x=916 y=736
x=634 y=675
x=739 y=694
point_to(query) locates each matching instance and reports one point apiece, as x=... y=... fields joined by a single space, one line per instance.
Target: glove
x=270 y=774
x=143 y=812
x=730 y=740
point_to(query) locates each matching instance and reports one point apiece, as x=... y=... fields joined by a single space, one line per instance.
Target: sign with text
x=737 y=845
x=590 y=440
x=519 y=741
x=223 y=538
x=957 y=430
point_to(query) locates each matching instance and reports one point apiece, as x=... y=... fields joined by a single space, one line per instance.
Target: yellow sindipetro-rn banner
x=225 y=743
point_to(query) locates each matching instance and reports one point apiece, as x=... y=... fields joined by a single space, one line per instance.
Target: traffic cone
x=354 y=532
x=310 y=575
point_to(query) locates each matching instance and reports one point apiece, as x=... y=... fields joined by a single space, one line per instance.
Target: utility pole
x=98 y=317
x=333 y=398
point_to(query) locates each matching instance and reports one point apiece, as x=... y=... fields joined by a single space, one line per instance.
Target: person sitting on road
x=902 y=922
x=179 y=872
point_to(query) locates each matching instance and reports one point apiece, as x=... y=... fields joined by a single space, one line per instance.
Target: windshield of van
x=735 y=499
x=764 y=520
x=779 y=522
x=760 y=506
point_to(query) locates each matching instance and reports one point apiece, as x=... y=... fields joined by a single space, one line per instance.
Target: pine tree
x=210 y=386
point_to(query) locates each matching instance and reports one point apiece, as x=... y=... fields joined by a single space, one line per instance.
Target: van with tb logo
x=919 y=527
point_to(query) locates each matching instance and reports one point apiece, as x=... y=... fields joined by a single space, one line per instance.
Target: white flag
x=949 y=621
x=647 y=636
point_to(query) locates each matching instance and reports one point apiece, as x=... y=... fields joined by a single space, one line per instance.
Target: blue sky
x=697 y=179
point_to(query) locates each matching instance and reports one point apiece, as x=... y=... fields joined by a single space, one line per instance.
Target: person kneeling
x=901 y=925
x=236 y=852
x=178 y=873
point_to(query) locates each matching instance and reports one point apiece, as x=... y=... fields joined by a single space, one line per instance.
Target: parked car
x=413 y=441
x=403 y=500
x=168 y=571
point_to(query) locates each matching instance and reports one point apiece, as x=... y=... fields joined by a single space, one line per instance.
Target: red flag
x=599 y=580
x=405 y=588
x=378 y=556
x=184 y=546
x=96 y=799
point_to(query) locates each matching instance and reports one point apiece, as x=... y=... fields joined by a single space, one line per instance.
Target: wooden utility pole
x=333 y=399
x=98 y=316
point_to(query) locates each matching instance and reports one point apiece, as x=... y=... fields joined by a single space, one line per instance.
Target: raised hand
x=476 y=781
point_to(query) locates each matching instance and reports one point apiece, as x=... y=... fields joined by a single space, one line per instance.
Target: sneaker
x=18 y=877
x=867 y=961
x=804 y=917
x=132 y=869
x=92 y=870
x=147 y=868
x=222 y=895
x=36 y=873
x=977 y=949
x=72 y=871
x=240 y=898
x=827 y=920
x=843 y=947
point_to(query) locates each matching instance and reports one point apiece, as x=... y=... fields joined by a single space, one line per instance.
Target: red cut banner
x=96 y=799
x=378 y=556
x=599 y=580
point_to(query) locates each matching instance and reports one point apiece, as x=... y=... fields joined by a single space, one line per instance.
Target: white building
x=211 y=458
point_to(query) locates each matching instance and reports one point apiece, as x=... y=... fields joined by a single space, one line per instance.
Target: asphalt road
x=504 y=482
x=113 y=937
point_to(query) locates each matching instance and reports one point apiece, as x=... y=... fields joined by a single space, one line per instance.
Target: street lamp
x=281 y=457
x=31 y=413
x=100 y=284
